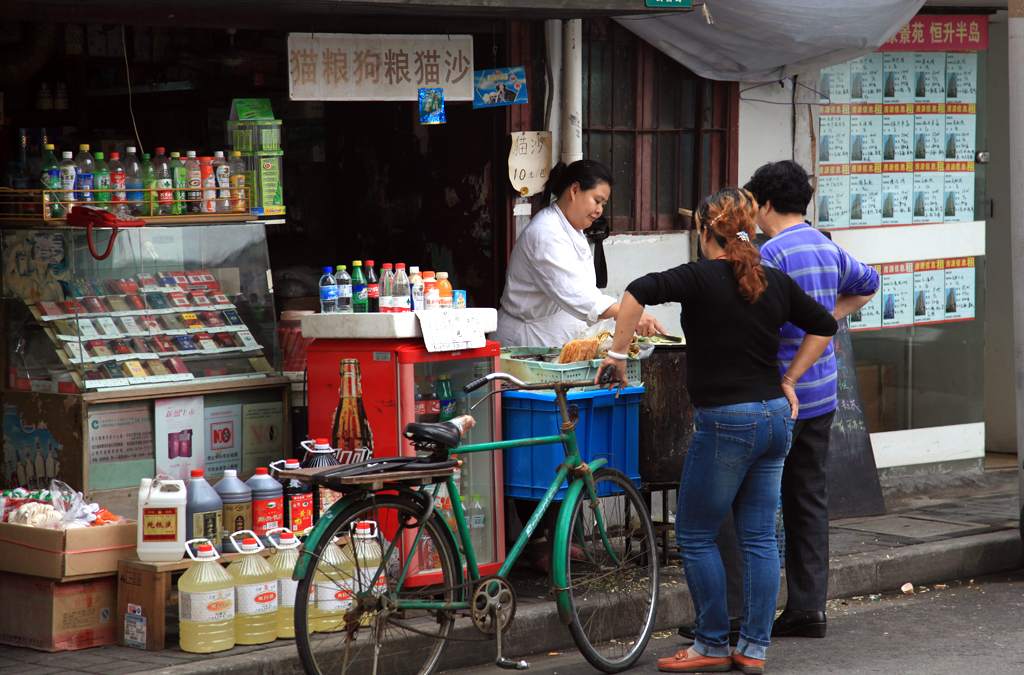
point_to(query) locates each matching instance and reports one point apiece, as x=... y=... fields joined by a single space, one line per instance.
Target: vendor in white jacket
x=551 y=288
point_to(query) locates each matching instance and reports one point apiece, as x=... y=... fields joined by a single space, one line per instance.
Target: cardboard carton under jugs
x=54 y=616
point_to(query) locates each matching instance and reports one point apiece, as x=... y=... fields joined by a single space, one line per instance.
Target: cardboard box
x=68 y=554
x=54 y=616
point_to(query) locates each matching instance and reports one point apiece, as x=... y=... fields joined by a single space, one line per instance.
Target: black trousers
x=805 y=517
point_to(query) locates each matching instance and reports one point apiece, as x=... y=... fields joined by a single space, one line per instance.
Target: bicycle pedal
x=509 y=664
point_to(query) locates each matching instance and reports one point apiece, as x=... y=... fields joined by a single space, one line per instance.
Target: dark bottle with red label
x=297 y=500
x=267 y=503
x=372 y=287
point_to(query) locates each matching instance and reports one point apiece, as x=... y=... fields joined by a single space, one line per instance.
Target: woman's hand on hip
x=790 y=393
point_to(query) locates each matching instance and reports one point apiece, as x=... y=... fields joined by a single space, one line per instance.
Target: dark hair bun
x=586 y=172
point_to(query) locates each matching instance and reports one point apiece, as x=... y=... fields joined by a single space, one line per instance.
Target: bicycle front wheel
x=343 y=626
x=612 y=564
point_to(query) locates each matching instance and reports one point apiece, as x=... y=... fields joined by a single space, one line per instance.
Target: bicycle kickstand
x=499 y=660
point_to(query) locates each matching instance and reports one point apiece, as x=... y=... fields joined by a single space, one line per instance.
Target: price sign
x=529 y=161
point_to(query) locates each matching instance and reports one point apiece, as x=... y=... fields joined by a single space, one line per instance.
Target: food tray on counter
x=542 y=371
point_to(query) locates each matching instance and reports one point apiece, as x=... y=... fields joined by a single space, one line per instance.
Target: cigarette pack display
x=146 y=280
x=73 y=349
x=94 y=374
x=86 y=328
x=219 y=298
x=128 y=286
x=205 y=341
x=172 y=322
x=166 y=279
x=180 y=278
x=178 y=299
x=112 y=369
x=177 y=365
x=150 y=324
x=96 y=287
x=53 y=309
x=247 y=339
x=72 y=307
x=199 y=299
x=93 y=304
x=157 y=368
x=117 y=303
x=157 y=301
x=184 y=343
x=135 y=369
x=231 y=316
x=225 y=339
x=129 y=325
x=135 y=302
x=112 y=286
x=191 y=320
x=107 y=326
x=212 y=319
x=201 y=278
x=163 y=344
x=64 y=327
x=98 y=348
x=141 y=346
x=81 y=288
x=120 y=347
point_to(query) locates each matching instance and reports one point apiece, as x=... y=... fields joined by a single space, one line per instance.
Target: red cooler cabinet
x=362 y=393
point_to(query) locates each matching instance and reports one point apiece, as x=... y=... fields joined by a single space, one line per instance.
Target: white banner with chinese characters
x=354 y=67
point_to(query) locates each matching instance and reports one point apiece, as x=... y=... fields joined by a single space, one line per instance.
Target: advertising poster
x=961 y=77
x=834 y=84
x=866 y=78
x=834 y=196
x=929 y=291
x=262 y=435
x=222 y=426
x=897 y=193
x=961 y=289
x=929 y=77
x=31 y=453
x=898 y=77
x=123 y=435
x=866 y=133
x=499 y=86
x=897 y=294
x=928 y=196
x=929 y=132
x=180 y=442
x=958 y=192
x=868 y=317
x=898 y=132
x=960 y=132
x=834 y=134
x=866 y=195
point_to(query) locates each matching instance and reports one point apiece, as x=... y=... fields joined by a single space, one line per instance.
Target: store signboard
x=940 y=33
x=356 y=67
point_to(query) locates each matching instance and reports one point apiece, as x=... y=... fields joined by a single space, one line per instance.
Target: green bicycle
x=604 y=565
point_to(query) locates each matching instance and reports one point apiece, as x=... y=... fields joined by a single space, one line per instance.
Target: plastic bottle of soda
x=68 y=180
x=433 y=403
x=86 y=170
x=255 y=596
x=178 y=182
x=344 y=290
x=360 y=296
x=387 y=284
x=416 y=287
x=148 y=173
x=328 y=293
x=431 y=298
x=400 y=300
x=101 y=181
x=444 y=291
x=283 y=562
x=478 y=534
x=118 y=180
x=206 y=605
x=133 y=181
x=163 y=182
x=194 y=179
x=239 y=203
x=372 y=288
x=209 y=181
x=51 y=181
x=222 y=176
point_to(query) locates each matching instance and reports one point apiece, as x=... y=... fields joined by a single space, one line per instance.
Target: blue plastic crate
x=607 y=428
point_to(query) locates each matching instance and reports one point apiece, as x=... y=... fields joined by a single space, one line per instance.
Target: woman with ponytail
x=732 y=311
x=551 y=287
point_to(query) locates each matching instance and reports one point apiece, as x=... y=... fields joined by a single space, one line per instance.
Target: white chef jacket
x=551 y=287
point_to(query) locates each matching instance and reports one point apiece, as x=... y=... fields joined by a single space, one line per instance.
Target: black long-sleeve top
x=732 y=346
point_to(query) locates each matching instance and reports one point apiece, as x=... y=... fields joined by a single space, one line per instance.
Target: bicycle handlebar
x=606 y=377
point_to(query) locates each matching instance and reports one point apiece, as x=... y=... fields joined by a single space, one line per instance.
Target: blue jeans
x=735 y=461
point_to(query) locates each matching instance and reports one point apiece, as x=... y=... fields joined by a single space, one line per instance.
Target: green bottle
x=101 y=180
x=51 y=179
x=360 y=297
x=149 y=183
x=179 y=182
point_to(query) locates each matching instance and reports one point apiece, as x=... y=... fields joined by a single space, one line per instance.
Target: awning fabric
x=766 y=40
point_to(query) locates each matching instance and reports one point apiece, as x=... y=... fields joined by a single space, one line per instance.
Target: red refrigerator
x=362 y=393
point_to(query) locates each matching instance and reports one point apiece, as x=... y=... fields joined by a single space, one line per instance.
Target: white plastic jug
x=161 y=536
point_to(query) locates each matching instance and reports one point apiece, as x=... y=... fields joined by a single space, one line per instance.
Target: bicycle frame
x=572 y=462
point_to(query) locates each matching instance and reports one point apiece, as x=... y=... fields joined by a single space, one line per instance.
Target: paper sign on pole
x=529 y=161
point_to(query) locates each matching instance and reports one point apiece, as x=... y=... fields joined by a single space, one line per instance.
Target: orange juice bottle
x=444 y=289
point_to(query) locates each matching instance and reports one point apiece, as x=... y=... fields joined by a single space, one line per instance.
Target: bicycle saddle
x=431 y=436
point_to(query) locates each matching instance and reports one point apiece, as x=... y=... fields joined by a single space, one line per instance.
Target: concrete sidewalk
x=920 y=541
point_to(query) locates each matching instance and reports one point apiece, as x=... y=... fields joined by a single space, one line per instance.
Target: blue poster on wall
x=499 y=86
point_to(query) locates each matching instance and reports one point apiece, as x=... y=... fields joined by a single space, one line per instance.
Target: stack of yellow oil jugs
x=253 y=600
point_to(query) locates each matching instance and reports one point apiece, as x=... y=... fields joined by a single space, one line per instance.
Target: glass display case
x=167 y=305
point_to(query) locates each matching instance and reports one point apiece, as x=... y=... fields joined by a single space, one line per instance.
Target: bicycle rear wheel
x=612 y=579
x=374 y=635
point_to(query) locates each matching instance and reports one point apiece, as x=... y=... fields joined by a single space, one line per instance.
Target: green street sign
x=670 y=4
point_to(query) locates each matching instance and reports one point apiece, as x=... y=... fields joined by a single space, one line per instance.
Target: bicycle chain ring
x=493 y=592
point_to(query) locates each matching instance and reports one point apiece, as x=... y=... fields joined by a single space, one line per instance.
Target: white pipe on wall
x=572 y=90
x=553 y=35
